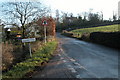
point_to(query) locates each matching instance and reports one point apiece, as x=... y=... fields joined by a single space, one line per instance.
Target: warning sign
x=44 y=22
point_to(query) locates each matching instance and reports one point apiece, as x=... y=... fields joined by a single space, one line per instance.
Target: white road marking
x=61 y=49
x=61 y=58
x=73 y=70
x=78 y=76
x=59 y=55
x=69 y=66
x=64 y=61
x=77 y=63
x=80 y=67
x=72 y=60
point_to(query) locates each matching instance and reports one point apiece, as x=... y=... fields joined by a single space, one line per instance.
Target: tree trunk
x=23 y=36
x=23 y=31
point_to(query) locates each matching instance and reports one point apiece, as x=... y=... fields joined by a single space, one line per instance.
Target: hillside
x=109 y=28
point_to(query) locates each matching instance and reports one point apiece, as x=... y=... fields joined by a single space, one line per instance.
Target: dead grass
x=36 y=45
x=0 y=56
x=10 y=54
x=7 y=56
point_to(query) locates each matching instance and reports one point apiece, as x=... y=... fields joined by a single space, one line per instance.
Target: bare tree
x=101 y=15
x=24 y=12
x=71 y=14
x=114 y=16
x=85 y=14
x=57 y=16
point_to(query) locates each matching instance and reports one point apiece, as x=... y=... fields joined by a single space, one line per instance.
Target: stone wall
x=111 y=39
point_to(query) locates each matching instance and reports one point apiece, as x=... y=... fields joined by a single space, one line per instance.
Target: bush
x=10 y=55
x=7 y=56
x=42 y=55
x=66 y=33
x=85 y=36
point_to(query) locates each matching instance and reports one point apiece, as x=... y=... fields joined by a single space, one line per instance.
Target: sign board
x=44 y=22
x=29 y=40
x=8 y=30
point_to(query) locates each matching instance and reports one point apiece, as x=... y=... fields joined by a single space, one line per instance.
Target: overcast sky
x=79 y=6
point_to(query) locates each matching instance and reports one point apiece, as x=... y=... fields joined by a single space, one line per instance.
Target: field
x=109 y=28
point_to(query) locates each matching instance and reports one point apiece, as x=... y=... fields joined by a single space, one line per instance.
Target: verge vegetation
x=105 y=35
x=43 y=54
x=110 y=28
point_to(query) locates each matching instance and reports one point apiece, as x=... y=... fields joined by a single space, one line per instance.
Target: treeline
x=90 y=20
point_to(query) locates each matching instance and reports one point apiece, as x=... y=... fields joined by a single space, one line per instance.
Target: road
x=79 y=59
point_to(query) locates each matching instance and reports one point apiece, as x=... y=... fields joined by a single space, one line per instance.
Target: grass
x=0 y=36
x=0 y=40
x=43 y=54
x=109 y=28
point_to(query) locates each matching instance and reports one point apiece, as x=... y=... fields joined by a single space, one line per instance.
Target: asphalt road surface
x=79 y=59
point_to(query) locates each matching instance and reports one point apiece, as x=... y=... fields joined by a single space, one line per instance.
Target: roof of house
x=70 y=17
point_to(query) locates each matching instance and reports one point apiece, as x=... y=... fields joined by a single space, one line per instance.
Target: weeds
x=42 y=55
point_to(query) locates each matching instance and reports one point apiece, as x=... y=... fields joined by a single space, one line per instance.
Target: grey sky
x=79 y=6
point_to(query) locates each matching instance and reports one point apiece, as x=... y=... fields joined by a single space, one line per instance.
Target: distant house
x=70 y=19
x=36 y=28
x=12 y=30
x=33 y=30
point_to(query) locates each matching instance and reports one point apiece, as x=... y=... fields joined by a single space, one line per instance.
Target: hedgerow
x=42 y=55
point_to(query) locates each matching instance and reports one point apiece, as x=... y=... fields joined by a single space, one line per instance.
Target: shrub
x=66 y=33
x=10 y=55
x=42 y=55
x=85 y=36
x=7 y=56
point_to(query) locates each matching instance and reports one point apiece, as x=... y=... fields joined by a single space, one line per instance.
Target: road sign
x=44 y=22
x=8 y=30
x=29 y=40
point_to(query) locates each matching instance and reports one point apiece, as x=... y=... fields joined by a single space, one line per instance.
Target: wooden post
x=30 y=50
x=45 y=34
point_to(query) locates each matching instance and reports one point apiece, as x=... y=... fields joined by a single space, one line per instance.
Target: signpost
x=45 y=34
x=44 y=23
x=29 y=40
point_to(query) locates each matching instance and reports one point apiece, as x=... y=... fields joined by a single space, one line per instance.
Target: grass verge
x=110 y=28
x=104 y=35
x=42 y=55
